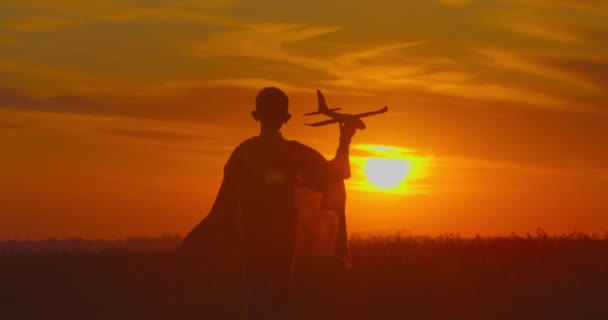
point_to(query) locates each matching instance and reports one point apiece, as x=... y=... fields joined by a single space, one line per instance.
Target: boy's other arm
x=339 y=167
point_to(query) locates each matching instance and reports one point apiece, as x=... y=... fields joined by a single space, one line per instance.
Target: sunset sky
x=117 y=116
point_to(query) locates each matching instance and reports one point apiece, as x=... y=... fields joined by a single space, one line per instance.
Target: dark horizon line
x=168 y=242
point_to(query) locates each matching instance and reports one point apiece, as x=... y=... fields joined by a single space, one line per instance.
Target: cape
x=217 y=236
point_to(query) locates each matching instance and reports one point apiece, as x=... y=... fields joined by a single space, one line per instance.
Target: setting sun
x=386 y=173
x=389 y=169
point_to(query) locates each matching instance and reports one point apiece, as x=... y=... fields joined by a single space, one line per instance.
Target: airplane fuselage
x=336 y=117
x=345 y=117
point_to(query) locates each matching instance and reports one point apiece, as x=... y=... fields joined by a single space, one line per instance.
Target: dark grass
x=392 y=277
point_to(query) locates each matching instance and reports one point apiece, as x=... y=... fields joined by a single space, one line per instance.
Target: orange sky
x=116 y=117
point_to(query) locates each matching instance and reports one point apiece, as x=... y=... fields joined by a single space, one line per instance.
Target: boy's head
x=271 y=106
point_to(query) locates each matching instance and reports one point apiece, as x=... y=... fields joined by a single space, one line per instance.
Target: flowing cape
x=217 y=237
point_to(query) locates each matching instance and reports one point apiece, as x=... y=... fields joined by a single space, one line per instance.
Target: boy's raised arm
x=340 y=164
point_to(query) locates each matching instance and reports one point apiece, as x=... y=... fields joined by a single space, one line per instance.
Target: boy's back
x=268 y=169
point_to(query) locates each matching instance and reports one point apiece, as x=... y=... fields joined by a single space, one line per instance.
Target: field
x=392 y=277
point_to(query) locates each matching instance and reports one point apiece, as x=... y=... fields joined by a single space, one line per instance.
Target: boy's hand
x=347 y=129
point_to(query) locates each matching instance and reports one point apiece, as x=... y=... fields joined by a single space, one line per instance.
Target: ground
x=392 y=277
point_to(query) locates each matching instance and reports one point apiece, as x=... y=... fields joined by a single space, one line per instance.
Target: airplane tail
x=322 y=104
x=322 y=109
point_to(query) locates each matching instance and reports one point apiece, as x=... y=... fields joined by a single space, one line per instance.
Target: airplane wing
x=371 y=113
x=317 y=112
x=322 y=123
x=344 y=117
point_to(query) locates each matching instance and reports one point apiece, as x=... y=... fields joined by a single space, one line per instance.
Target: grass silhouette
x=392 y=277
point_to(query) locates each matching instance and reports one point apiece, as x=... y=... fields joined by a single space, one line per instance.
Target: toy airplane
x=340 y=117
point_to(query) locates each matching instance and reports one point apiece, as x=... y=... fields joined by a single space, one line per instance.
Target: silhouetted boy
x=256 y=203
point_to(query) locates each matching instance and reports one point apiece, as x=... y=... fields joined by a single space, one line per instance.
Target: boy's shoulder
x=294 y=145
x=305 y=152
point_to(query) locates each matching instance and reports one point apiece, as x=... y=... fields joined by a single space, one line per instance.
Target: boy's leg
x=269 y=284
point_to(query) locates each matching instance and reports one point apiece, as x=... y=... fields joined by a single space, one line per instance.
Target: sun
x=390 y=170
x=384 y=173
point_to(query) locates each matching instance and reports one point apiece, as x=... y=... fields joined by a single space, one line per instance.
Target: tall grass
x=392 y=277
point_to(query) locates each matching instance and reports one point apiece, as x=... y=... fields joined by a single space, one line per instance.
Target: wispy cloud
x=550 y=27
x=170 y=13
x=38 y=23
x=303 y=56
x=584 y=72
x=543 y=31
x=11 y=125
x=157 y=134
x=42 y=16
x=52 y=79
x=11 y=98
x=586 y=5
x=264 y=41
x=381 y=67
x=270 y=41
x=517 y=61
x=457 y=3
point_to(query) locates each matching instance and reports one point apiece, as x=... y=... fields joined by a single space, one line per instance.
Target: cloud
x=363 y=69
x=11 y=125
x=561 y=53
x=457 y=3
x=39 y=15
x=170 y=13
x=56 y=79
x=552 y=27
x=498 y=92
x=42 y=65
x=525 y=63
x=191 y=103
x=264 y=41
x=588 y=69
x=480 y=175
x=586 y=5
x=248 y=83
x=584 y=72
x=31 y=23
x=246 y=53
x=385 y=67
x=544 y=31
x=157 y=134
x=11 y=98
